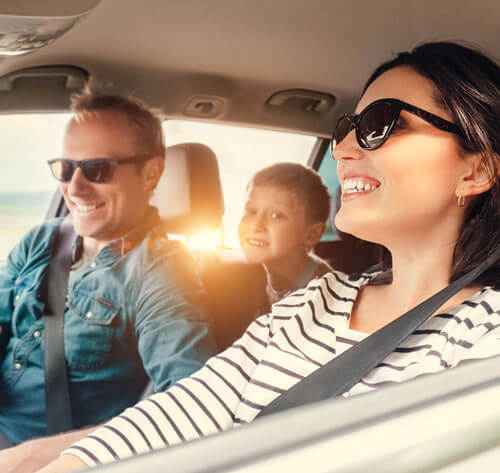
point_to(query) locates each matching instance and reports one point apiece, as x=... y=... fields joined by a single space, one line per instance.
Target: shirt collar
x=121 y=246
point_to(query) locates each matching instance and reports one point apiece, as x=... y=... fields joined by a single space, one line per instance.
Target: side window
x=240 y=152
x=26 y=185
x=328 y=172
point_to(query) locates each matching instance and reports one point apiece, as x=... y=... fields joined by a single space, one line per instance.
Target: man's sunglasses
x=376 y=122
x=99 y=170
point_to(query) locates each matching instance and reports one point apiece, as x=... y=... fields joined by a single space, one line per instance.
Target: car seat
x=190 y=199
x=189 y=195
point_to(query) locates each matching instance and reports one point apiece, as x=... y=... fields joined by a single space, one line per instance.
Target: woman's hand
x=64 y=463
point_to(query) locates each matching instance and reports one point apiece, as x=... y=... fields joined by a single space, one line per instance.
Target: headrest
x=189 y=195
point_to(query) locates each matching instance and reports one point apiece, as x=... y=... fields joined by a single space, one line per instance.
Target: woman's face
x=411 y=180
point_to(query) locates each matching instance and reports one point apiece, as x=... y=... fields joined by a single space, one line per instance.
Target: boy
x=284 y=218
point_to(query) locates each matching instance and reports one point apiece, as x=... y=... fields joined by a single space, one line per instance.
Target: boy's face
x=274 y=227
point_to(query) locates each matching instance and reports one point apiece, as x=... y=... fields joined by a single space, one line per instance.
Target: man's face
x=104 y=212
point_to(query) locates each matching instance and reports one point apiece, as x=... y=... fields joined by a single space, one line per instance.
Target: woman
x=419 y=165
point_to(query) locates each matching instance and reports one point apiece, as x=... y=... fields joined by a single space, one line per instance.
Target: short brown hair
x=302 y=181
x=144 y=121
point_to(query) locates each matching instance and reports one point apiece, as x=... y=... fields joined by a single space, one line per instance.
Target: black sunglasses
x=98 y=170
x=376 y=122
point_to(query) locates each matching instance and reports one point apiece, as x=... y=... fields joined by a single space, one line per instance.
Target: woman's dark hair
x=467 y=85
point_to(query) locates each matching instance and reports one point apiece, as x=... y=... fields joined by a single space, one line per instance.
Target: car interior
x=190 y=196
x=287 y=67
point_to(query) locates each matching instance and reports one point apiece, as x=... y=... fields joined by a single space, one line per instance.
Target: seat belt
x=57 y=399
x=343 y=372
x=4 y=441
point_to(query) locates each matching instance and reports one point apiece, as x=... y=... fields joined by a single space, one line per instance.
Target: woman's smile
x=355 y=185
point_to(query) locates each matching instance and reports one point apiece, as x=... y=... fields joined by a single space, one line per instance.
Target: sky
x=28 y=141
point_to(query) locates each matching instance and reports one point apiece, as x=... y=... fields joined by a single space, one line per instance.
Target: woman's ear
x=476 y=179
x=314 y=235
x=152 y=171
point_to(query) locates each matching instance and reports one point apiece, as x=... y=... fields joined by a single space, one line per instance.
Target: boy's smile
x=256 y=242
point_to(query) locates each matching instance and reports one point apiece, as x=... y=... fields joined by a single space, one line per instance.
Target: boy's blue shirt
x=132 y=312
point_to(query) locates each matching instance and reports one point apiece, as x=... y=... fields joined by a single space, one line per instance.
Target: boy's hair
x=303 y=181
x=144 y=121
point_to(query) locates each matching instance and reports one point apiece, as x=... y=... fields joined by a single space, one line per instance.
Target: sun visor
x=29 y=25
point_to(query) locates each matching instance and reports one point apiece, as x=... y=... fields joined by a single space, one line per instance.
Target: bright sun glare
x=204 y=240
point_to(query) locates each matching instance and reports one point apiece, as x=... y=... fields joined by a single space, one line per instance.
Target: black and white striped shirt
x=304 y=331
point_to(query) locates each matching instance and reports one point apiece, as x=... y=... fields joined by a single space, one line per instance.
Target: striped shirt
x=303 y=332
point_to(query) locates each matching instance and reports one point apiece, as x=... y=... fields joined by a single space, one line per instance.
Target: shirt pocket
x=27 y=306
x=89 y=330
x=23 y=288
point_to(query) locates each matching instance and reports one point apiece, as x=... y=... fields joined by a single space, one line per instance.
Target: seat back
x=235 y=294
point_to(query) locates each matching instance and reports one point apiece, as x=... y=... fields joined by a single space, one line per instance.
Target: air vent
x=302 y=99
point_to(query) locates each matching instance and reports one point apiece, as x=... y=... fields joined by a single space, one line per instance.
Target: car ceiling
x=167 y=51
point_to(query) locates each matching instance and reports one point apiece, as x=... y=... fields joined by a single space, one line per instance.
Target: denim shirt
x=131 y=313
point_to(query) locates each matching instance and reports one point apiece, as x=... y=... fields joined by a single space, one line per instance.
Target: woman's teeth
x=357 y=185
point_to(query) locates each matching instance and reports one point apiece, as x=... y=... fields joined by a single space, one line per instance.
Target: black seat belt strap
x=57 y=398
x=343 y=372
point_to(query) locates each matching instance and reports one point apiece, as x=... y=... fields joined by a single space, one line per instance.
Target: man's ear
x=476 y=179
x=152 y=171
x=314 y=235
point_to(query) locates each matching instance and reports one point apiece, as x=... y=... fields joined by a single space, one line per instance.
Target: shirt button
x=93 y=264
x=88 y=315
x=18 y=366
x=37 y=334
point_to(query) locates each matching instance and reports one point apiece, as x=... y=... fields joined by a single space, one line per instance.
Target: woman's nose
x=348 y=148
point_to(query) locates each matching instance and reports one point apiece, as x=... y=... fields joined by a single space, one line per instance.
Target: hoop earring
x=461 y=201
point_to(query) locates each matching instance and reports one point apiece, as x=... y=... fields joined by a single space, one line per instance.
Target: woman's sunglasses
x=376 y=122
x=99 y=170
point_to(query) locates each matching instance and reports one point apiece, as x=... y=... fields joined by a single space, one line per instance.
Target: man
x=131 y=311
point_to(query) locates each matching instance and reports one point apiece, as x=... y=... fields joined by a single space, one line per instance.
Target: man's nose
x=78 y=184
